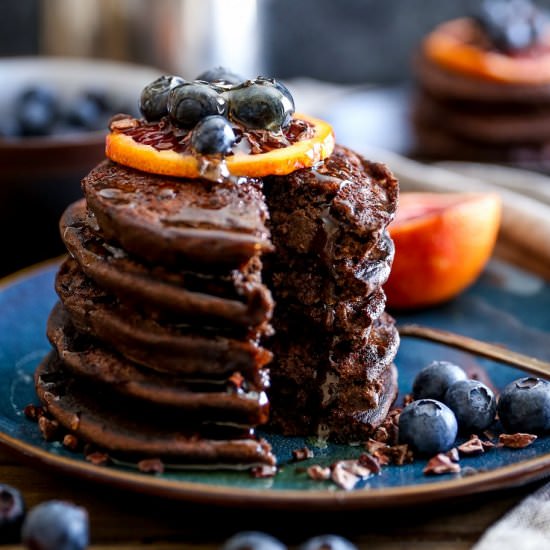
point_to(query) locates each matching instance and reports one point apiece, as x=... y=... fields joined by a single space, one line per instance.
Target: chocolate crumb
x=453 y=454
x=353 y=467
x=516 y=441
x=33 y=412
x=49 y=428
x=318 y=472
x=473 y=446
x=343 y=477
x=151 y=466
x=400 y=454
x=372 y=446
x=123 y=122
x=441 y=464
x=75 y=422
x=71 y=442
x=302 y=454
x=98 y=458
x=263 y=471
x=370 y=462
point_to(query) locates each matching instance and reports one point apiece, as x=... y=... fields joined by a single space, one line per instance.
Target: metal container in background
x=183 y=37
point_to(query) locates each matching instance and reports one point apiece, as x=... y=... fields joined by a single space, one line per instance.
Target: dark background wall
x=336 y=40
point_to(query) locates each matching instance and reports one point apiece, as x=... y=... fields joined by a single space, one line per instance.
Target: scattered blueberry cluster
x=51 y=525
x=511 y=25
x=446 y=403
x=39 y=111
x=212 y=101
x=256 y=540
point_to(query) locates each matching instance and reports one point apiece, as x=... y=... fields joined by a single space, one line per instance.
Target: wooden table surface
x=123 y=520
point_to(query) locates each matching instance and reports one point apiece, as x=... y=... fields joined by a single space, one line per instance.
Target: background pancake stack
x=334 y=346
x=484 y=87
x=161 y=309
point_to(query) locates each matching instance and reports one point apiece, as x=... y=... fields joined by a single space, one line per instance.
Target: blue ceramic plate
x=506 y=306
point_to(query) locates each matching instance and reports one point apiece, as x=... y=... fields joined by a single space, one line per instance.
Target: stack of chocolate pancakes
x=163 y=335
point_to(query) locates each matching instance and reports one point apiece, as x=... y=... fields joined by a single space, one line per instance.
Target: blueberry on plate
x=253 y=540
x=190 y=102
x=433 y=380
x=36 y=111
x=85 y=113
x=428 y=426
x=221 y=75
x=261 y=104
x=56 y=525
x=328 y=542
x=473 y=403
x=12 y=512
x=213 y=135
x=524 y=406
x=153 y=101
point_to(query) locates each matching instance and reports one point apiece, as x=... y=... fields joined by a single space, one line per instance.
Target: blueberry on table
x=328 y=542
x=433 y=380
x=36 y=111
x=190 y=102
x=524 y=406
x=221 y=75
x=428 y=426
x=253 y=540
x=85 y=113
x=213 y=135
x=261 y=104
x=473 y=403
x=56 y=525
x=153 y=101
x=12 y=512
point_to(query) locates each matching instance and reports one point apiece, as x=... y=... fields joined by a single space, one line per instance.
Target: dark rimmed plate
x=506 y=306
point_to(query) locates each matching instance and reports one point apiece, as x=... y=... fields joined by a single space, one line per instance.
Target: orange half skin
x=123 y=149
x=442 y=243
x=451 y=45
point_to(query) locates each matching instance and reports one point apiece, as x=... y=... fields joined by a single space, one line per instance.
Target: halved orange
x=122 y=148
x=453 y=45
x=442 y=242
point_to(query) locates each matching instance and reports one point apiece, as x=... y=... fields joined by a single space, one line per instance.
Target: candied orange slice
x=455 y=45
x=319 y=144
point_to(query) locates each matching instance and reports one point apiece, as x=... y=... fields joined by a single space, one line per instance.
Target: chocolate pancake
x=170 y=348
x=238 y=297
x=232 y=400
x=308 y=281
x=336 y=211
x=349 y=421
x=508 y=127
x=448 y=84
x=173 y=221
x=131 y=432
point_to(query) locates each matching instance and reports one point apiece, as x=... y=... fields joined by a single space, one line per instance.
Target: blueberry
x=253 y=540
x=56 y=525
x=212 y=135
x=432 y=381
x=36 y=111
x=524 y=406
x=473 y=403
x=428 y=426
x=153 y=101
x=261 y=104
x=328 y=542
x=85 y=113
x=190 y=102
x=511 y=25
x=12 y=512
x=222 y=75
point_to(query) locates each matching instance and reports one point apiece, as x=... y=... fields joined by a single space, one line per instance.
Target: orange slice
x=123 y=149
x=442 y=242
x=452 y=45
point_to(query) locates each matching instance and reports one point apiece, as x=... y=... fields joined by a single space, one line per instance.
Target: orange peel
x=125 y=150
x=452 y=45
